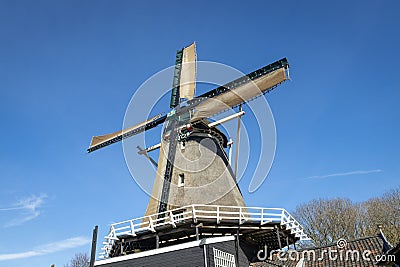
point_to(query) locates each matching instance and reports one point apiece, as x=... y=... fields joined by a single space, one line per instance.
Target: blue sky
x=69 y=68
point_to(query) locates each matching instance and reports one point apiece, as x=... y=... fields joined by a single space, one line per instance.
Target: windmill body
x=195 y=196
x=201 y=175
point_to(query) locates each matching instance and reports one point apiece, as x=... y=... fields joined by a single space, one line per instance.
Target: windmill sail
x=176 y=80
x=182 y=87
x=108 y=139
x=241 y=90
x=188 y=72
x=184 y=81
x=219 y=99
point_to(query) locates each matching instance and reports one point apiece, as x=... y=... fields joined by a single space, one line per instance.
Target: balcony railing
x=195 y=213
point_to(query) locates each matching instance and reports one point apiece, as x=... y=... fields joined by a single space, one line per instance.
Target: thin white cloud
x=48 y=248
x=344 y=174
x=28 y=207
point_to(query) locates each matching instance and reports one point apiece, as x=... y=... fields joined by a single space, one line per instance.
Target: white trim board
x=191 y=244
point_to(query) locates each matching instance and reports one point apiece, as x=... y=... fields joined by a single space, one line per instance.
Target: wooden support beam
x=144 y=153
x=157 y=241
x=279 y=238
x=238 y=142
x=231 y=117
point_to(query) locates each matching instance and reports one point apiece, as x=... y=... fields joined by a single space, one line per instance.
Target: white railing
x=195 y=213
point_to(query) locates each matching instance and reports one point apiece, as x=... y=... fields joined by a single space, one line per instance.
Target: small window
x=223 y=259
x=181 y=181
x=182 y=145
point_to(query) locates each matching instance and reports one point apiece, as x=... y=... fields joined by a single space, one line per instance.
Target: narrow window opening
x=183 y=145
x=181 y=181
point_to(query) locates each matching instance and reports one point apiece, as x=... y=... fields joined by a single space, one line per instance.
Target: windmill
x=196 y=205
x=185 y=131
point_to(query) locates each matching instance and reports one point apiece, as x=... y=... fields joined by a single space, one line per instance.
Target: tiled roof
x=357 y=253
